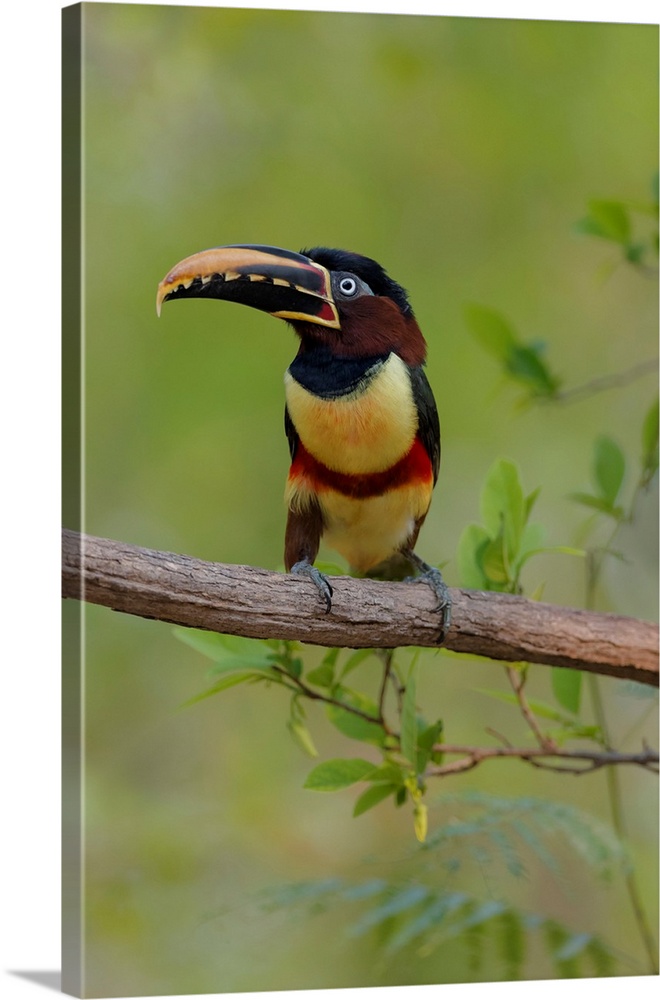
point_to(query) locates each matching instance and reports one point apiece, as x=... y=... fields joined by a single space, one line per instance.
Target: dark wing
x=291 y=433
x=429 y=424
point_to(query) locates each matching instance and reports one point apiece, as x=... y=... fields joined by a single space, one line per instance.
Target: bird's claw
x=321 y=582
x=433 y=578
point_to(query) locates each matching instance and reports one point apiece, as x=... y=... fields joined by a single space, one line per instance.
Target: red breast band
x=414 y=467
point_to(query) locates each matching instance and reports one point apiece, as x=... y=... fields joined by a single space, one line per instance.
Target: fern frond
x=511 y=942
x=495 y=821
x=412 y=915
x=434 y=912
x=397 y=903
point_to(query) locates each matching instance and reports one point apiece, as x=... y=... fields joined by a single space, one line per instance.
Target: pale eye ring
x=348 y=286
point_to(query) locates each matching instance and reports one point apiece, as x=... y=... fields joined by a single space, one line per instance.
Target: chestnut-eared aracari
x=360 y=416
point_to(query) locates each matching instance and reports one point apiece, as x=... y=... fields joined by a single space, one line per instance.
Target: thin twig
x=314 y=695
x=604 y=382
x=517 y=680
x=386 y=656
x=473 y=756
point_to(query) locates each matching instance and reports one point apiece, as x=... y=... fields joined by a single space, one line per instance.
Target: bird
x=360 y=416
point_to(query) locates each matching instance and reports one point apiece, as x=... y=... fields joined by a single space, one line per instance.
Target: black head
x=340 y=300
x=368 y=270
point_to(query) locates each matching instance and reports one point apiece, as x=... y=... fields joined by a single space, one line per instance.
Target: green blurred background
x=459 y=153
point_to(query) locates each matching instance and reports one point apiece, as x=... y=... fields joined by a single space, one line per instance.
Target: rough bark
x=244 y=600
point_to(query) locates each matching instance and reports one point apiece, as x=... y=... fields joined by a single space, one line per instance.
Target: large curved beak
x=279 y=282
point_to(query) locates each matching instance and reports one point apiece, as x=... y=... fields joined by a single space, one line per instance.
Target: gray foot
x=433 y=577
x=321 y=582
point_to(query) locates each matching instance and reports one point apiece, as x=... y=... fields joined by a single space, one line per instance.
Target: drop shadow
x=50 y=980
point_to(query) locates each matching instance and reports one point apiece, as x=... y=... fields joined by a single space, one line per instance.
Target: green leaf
x=491 y=330
x=567 y=688
x=494 y=564
x=503 y=504
x=609 y=468
x=634 y=253
x=373 y=796
x=607 y=219
x=530 y=500
x=352 y=725
x=229 y=681
x=284 y=656
x=526 y=364
x=388 y=772
x=564 y=550
x=597 y=503
x=292 y=664
x=324 y=674
x=531 y=543
x=587 y=227
x=523 y=362
x=229 y=652
x=469 y=557
x=354 y=660
x=409 y=717
x=425 y=741
x=302 y=737
x=332 y=775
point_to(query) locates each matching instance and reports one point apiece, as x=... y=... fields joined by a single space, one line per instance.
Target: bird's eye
x=348 y=286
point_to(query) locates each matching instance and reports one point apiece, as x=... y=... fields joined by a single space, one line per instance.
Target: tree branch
x=517 y=682
x=593 y=759
x=243 y=600
x=604 y=382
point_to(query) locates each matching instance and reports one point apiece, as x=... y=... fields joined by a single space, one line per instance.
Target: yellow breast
x=365 y=532
x=365 y=431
